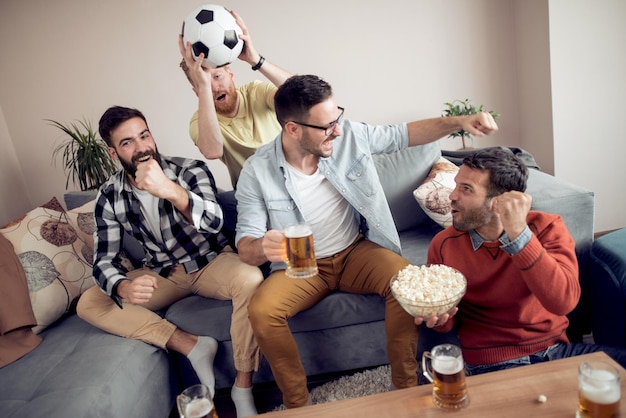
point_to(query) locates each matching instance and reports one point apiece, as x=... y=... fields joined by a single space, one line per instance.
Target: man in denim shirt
x=320 y=170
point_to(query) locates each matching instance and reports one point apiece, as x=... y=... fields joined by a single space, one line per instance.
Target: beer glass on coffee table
x=598 y=390
x=444 y=367
x=301 y=262
x=196 y=402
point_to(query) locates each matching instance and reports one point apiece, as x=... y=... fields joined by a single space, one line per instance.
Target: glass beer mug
x=598 y=390
x=301 y=262
x=447 y=373
x=196 y=402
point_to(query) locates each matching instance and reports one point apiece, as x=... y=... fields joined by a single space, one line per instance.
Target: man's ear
x=291 y=129
x=112 y=153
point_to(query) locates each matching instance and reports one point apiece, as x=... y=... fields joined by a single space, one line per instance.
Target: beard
x=227 y=105
x=131 y=166
x=314 y=147
x=469 y=219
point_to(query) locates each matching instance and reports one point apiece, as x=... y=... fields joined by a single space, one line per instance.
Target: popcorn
x=428 y=283
x=428 y=290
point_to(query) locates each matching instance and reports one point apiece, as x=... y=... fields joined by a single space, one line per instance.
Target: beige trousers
x=224 y=278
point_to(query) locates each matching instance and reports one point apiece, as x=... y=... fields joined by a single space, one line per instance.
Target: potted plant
x=86 y=158
x=464 y=107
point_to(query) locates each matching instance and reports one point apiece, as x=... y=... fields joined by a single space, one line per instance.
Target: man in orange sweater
x=520 y=265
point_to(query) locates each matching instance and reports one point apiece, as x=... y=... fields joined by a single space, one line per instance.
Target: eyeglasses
x=328 y=129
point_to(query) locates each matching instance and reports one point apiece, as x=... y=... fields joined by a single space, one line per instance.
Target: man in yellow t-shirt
x=232 y=122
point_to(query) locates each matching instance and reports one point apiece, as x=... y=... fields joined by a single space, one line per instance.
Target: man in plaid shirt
x=169 y=206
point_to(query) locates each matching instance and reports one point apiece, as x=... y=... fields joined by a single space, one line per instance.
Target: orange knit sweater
x=514 y=305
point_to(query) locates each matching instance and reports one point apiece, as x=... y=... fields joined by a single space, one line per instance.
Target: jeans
x=554 y=352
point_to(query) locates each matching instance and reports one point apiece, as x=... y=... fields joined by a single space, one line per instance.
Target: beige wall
x=387 y=64
x=588 y=72
x=13 y=191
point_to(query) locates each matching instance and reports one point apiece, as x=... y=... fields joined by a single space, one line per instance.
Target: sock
x=201 y=358
x=244 y=401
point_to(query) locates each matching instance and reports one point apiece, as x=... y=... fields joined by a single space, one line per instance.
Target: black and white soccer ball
x=212 y=30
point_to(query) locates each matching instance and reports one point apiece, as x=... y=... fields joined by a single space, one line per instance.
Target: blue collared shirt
x=268 y=199
x=511 y=247
x=118 y=210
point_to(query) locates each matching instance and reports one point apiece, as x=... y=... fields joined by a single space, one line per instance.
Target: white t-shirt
x=331 y=217
x=150 y=210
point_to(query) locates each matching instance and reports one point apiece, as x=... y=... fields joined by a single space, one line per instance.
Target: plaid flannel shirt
x=192 y=244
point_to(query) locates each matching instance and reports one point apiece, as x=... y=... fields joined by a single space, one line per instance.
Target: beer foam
x=447 y=364
x=603 y=389
x=297 y=231
x=198 y=408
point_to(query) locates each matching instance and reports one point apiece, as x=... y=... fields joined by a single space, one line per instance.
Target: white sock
x=244 y=401
x=201 y=358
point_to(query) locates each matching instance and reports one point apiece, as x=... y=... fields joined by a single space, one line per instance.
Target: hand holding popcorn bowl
x=428 y=291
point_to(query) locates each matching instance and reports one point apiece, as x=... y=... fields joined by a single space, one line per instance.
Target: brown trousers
x=362 y=268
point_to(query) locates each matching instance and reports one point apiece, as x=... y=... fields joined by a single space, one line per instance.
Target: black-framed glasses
x=328 y=129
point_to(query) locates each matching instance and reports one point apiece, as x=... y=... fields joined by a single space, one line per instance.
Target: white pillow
x=433 y=195
x=58 y=268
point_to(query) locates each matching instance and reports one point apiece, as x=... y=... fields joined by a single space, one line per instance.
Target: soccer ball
x=212 y=30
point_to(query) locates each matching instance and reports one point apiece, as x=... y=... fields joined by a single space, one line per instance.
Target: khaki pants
x=362 y=268
x=224 y=278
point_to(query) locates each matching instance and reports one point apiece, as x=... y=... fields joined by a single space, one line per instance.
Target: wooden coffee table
x=506 y=393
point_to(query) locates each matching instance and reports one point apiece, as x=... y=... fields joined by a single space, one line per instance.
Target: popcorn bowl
x=425 y=292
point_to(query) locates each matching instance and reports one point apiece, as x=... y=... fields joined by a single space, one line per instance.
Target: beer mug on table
x=301 y=262
x=598 y=390
x=444 y=367
x=196 y=402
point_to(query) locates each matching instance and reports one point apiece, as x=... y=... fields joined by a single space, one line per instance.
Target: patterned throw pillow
x=57 y=258
x=433 y=195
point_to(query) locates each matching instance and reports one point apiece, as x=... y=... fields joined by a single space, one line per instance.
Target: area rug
x=362 y=383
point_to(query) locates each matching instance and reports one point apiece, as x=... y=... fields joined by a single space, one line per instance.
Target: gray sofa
x=345 y=331
x=80 y=371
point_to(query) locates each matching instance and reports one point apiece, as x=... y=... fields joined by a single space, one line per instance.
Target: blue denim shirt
x=267 y=197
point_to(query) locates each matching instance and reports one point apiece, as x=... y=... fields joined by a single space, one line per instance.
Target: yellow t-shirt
x=254 y=125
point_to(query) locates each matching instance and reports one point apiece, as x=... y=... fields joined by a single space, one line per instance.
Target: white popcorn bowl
x=430 y=308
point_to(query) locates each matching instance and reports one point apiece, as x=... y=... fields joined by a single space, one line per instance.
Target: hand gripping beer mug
x=196 y=402
x=301 y=262
x=598 y=390
x=447 y=373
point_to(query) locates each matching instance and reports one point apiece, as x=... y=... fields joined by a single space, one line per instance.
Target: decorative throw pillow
x=81 y=218
x=56 y=265
x=433 y=195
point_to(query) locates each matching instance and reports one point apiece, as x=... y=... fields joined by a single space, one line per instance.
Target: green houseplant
x=464 y=107
x=86 y=159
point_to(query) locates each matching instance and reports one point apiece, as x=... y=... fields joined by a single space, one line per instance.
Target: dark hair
x=297 y=95
x=506 y=171
x=113 y=117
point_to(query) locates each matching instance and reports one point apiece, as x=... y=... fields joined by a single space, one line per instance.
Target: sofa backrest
x=400 y=173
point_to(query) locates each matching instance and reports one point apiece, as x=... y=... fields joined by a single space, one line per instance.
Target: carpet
x=367 y=382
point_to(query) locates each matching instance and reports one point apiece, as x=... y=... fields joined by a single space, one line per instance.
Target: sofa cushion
x=433 y=195
x=51 y=252
x=81 y=371
x=400 y=173
x=608 y=288
x=334 y=316
x=16 y=314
